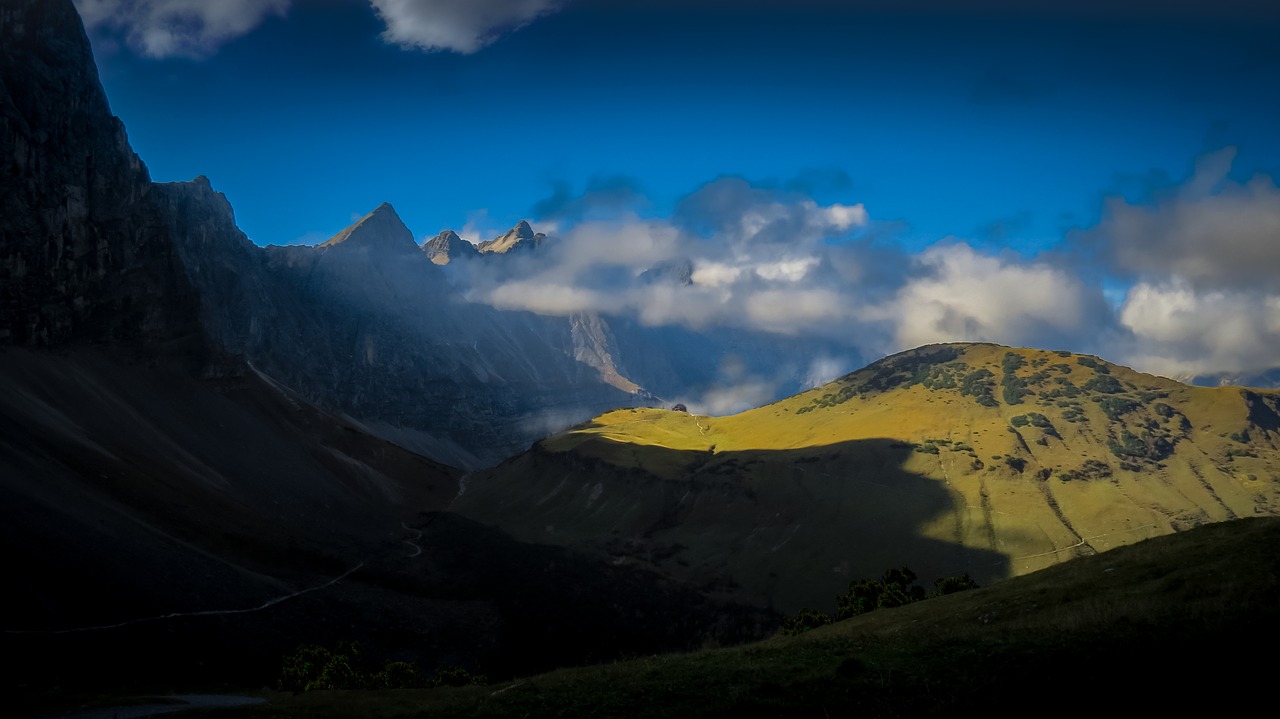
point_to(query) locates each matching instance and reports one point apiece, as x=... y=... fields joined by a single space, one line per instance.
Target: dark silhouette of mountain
x=178 y=499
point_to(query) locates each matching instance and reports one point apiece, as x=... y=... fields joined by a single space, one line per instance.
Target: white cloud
x=843 y=217
x=177 y=28
x=792 y=270
x=763 y=265
x=1181 y=331
x=964 y=295
x=715 y=274
x=824 y=369
x=721 y=401
x=792 y=310
x=462 y=26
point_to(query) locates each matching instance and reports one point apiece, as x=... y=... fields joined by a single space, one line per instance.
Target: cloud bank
x=195 y=29
x=177 y=28
x=1203 y=263
x=1192 y=275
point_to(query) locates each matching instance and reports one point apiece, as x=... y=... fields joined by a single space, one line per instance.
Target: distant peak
x=381 y=229
x=520 y=237
x=448 y=246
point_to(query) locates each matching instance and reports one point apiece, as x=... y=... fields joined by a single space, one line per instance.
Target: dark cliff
x=84 y=254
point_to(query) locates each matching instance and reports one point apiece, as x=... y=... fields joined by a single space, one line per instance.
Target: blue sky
x=999 y=129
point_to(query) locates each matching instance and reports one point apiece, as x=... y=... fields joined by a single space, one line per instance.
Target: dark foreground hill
x=1176 y=625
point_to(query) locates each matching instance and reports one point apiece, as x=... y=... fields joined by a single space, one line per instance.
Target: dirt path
x=162 y=705
x=205 y=613
x=417 y=534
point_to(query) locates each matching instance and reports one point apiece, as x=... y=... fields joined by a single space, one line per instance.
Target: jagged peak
x=521 y=237
x=381 y=229
x=448 y=246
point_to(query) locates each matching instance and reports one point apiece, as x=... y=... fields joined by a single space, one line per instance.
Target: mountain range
x=212 y=452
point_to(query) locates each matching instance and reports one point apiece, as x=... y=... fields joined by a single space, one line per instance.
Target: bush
x=894 y=589
x=397 y=675
x=951 y=585
x=312 y=666
x=455 y=676
x=804 y=621
x=1105 y=384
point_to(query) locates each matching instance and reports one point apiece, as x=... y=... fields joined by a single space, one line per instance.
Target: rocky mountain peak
x=521 y=237
x=381 y=230
x=448 y=246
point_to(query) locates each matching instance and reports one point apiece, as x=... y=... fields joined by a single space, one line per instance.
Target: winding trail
x=206 y=613
x=417 y=549
x=701 y=429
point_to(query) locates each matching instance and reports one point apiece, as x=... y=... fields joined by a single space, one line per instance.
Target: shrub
x=455 y=676
x=804 y=621
x=1105 y=384
x=894 y=589
x=397 y=675
x=951 y=585
x=312 y=666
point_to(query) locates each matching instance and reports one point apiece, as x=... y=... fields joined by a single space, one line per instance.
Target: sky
x=885 y=174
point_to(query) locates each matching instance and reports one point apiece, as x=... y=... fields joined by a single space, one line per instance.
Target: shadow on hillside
x=783 y=528
x=447 y=591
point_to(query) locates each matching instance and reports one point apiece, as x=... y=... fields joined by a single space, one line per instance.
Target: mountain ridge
x=965 y=457
x=380 y=230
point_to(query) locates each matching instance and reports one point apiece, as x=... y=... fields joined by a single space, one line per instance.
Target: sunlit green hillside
x=949 y=458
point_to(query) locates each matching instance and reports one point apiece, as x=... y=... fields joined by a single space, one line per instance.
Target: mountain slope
x=171 y=511
x=1166 y=626
x=951 y=458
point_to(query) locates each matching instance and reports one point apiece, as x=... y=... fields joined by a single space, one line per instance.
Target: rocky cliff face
x=393 y=343
x=84 y=255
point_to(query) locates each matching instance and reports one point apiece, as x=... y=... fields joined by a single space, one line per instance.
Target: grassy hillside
x=1170 y=624
x=949 y=458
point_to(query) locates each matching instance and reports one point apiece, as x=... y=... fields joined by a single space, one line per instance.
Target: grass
x=763 y=497
x=1170 y=624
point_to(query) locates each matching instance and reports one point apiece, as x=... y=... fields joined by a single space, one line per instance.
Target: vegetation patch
x=895 y=588
x=1105 y=384
x=1116 y=407
x=1091 y=469
x=980 y=384
x=1014 y=388
x=345 y=666
x=1093 y=363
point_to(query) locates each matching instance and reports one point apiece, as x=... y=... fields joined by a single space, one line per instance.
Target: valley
x=220 y=459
